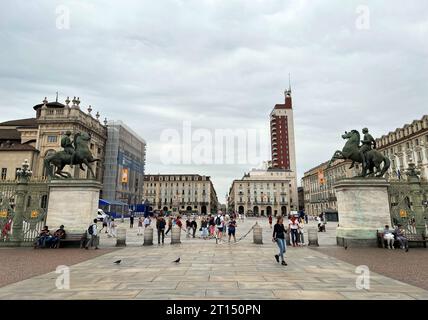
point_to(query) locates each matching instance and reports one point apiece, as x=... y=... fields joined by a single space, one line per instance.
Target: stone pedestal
x=148 y=236
x=313 y=237
x=257 y=234
x=363 y=207
x=175 y=235
x=121 y=237
x=72 y=203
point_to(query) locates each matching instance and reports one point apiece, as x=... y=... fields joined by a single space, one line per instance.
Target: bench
x=418 y=238
x=73 y=239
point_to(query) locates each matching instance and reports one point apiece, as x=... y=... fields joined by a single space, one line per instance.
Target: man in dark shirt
x=44 y=235
x=193 y=226
x=59 y=234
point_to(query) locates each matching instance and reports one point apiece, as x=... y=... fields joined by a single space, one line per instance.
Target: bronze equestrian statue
x=369 y=158
x=76 y=152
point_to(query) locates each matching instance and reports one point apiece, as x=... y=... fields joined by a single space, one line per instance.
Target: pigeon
x=177 y=261
x=118 y=262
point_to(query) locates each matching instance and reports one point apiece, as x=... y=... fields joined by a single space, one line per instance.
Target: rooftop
x=28 y=122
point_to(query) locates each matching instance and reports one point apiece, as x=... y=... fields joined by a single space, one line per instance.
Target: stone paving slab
x=308 y=295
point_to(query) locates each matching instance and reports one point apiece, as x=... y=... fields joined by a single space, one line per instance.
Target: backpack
x=91 y=230
x=218 y=221
x=162 y=224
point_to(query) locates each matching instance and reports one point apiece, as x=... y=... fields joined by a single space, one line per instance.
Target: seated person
x=59 y=234
x=401 y=237
x=44 y=235
x=388 y=236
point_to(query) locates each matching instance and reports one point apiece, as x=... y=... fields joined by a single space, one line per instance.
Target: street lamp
x=23 y=173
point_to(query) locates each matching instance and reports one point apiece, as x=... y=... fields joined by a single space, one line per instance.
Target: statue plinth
x=363 y=207
x=72 y=203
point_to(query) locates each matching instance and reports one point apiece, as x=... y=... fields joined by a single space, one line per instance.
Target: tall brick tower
x=282 y=142
x=282 y=134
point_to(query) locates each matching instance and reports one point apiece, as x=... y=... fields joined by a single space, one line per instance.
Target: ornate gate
x=408 y=204
x=23 y=207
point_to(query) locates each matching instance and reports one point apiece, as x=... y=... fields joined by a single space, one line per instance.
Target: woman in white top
x=293 y=227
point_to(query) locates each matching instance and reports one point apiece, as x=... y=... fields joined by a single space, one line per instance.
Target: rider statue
x=368 y=143
x=68 y=146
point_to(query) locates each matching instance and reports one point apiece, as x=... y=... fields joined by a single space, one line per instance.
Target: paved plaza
x=212 y=271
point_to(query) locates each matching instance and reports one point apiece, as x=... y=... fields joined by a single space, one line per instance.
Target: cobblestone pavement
x=410 y=267
x=17 y=264
x=210 y=271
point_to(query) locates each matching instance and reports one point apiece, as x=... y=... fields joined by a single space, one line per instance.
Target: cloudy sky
x=221 y=64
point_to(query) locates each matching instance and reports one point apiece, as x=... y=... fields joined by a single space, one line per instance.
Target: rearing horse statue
x=351 y=151
x=82 y=155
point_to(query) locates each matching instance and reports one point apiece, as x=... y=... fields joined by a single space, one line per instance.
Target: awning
x=103 y=202
x=330 y=210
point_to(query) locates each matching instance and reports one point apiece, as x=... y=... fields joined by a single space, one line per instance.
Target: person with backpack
x=160 y=225
x=219 y=222
x=92 y=236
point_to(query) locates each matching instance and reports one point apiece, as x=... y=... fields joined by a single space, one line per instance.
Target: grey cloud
x=221 y=64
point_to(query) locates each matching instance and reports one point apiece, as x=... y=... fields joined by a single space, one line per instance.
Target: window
x=52 y=139
x=16 y=173
x=3 y=173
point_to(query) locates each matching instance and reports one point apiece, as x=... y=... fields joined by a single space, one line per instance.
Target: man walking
x=92 y=235
x=131 y=219
x=219 y=221
x=160 y=225
x=193 y=226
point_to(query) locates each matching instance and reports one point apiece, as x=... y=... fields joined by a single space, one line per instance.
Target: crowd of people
x=211 y=226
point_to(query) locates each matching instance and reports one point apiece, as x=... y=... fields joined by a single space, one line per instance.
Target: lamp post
x=413 y=174
x=24 y=175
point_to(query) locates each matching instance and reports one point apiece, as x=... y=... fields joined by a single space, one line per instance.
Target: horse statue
x=351 y=151
x=81 y=155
